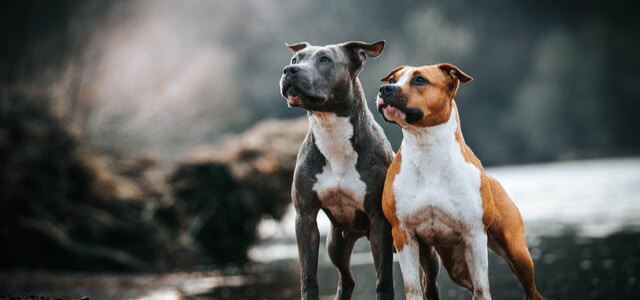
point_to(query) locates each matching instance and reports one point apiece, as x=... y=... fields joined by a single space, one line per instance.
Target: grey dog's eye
x=294 y=60
x=325 y=60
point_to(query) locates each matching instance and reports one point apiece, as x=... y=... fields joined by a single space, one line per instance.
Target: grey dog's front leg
x=381 y=241
x=308 y=239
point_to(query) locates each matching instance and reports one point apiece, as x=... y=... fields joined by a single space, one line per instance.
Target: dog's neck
x=333 y=135
x=356 y=117
x=435 y=142
x=357 y=102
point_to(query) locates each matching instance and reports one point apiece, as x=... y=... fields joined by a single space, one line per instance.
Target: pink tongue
x=390 y=109
x=294 y=99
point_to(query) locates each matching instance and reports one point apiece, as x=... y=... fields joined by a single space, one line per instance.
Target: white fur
x=409 y=260
x=438 y=198
x=393 y=114
x=339 y=186
x=403 y=79
x=434 y=175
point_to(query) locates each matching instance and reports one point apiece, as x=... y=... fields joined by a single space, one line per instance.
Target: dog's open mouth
x=394 y=112
x=296 y=97
x=391 y=113
x=293 y=97
x=383 y=106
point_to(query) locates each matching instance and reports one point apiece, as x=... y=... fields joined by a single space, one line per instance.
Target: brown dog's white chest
x=437 y=191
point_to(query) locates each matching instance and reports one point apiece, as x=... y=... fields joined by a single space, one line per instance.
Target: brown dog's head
x=419 y=96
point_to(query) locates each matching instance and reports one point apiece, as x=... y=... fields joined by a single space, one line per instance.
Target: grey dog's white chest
x=338 y=186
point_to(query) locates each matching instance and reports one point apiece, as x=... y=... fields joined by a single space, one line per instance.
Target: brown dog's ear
x=455 y=72
x=297 y=46
x=364 y=49
x=386 y=77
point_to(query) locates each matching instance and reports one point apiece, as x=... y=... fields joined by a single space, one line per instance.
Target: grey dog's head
x=321 y=78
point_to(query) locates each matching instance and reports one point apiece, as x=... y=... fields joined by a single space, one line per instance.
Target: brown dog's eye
x=392 y=80
x=420 y=80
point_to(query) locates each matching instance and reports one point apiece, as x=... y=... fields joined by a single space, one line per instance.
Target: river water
x=582 y=220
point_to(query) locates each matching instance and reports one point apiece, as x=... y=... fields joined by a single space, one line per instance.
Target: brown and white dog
x=436 y=193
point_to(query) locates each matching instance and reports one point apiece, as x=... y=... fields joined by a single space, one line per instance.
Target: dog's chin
x=294 y=101
x=296 y=98
x=389 y=112
x=392 y=114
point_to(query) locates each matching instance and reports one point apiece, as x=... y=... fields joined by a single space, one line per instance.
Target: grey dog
x=341 y=164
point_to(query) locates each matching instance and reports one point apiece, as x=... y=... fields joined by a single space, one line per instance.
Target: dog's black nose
x=386 y=89
x=291 y=70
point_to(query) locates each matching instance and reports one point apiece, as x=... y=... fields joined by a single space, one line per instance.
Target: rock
x=227 y=190
x=65 y=205
x=263 y=159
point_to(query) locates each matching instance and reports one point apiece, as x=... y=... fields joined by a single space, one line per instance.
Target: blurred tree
x=162 y=77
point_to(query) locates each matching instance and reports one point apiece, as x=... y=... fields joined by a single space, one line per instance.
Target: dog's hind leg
x=521 y=263
x=430 y=267
x=507 y=239
x=517 y=256
x=339 y=247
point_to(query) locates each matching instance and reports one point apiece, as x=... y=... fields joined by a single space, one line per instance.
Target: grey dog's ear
x=365 y=49
x=297 y=46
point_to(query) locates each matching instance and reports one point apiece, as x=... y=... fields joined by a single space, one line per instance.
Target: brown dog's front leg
x=308 y=239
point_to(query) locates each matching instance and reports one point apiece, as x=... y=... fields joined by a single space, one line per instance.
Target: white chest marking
x=338 y=186
x=437 y=192
x=403 y=79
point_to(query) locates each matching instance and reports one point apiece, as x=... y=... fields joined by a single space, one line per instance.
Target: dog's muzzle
x=388 y=96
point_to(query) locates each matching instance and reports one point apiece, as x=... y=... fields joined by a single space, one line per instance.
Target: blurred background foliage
x=553 y=79
x=105 y=104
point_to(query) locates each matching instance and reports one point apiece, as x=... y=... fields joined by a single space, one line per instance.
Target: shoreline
x=567 y=266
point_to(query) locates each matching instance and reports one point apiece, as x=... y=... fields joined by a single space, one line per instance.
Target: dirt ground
x=568 y=266
x=274 y=282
